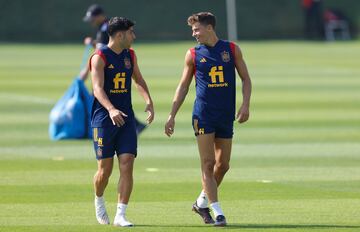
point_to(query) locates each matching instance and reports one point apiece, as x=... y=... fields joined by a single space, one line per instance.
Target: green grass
x=295 y=165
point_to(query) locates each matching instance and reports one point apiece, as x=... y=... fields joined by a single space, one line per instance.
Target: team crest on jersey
x=225 y=56
x=99 y=152
x=127 y=63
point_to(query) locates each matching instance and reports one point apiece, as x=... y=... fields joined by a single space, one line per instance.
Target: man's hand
x=150 y=109
x=117 y=117
x=84 y=74
x=243 y=114
x=169 y=126
x=88 y=41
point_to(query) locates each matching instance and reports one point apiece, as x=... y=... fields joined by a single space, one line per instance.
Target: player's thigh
x=223 y=148
x=206 y=147
x=126 y=139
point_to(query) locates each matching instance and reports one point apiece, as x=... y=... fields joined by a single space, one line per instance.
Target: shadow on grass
x=260 y=226
x=290 y=226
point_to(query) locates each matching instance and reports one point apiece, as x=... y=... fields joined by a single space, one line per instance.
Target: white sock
x=202 y=200
x=121 y=209
x=99 y=200
x=216 y=209
x=120 y=218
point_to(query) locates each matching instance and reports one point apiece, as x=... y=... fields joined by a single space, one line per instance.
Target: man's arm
x=83 y=75
x=96 y=44
x=97 y=77
x=143 y=90
x=180 y=93
x=243 y=113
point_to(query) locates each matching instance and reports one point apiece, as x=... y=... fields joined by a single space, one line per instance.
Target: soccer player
x=213 y=63
x=113 y=67
x=95 y=15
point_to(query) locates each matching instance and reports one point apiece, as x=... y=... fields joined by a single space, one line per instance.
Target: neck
x=115 y=47
x=213 y=39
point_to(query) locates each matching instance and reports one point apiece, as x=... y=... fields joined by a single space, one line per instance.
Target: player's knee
x=126 y=164
x=222 y=167
x=208 y=166
x=103 y=175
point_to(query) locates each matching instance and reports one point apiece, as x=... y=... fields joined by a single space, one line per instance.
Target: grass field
x=295 y=165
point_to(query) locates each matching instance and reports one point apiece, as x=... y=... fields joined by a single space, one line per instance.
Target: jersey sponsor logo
x=127 y=63
x=111 y=66
x=216 y=73
x=217 y=77
x=203 y=60
x=218 y=85
x=225 y=56
x=118 y=91
x=119 y=83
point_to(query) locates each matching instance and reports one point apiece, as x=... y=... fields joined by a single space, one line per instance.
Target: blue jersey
x=118 y=71
x=215 y=82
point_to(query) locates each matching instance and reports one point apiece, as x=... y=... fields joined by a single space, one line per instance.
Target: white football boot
x=120 y=220
x=100 y=211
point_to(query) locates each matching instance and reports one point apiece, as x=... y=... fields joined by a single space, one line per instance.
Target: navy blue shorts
x=111 y=140
x=222 y=129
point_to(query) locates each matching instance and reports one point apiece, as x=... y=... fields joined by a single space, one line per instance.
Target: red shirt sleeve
x=193 y=55
x=101 y=54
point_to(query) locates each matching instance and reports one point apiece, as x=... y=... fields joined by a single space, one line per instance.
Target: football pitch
x=295 y=164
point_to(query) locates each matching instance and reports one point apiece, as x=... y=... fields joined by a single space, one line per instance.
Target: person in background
x=314 y=25
x=337 y=25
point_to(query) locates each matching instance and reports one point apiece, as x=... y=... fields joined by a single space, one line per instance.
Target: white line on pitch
x=27 y=98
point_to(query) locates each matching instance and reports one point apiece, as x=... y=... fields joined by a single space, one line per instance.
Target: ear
x=119 y=35
x=209 y=28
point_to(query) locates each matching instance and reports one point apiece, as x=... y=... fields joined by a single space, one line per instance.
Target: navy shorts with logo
x=222 y=129
x=111 y=140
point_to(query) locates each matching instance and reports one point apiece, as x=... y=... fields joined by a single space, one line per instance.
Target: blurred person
x=113 y=67
x=314 y=25
x=213 y=63
x=95 y=15
x=336 y=22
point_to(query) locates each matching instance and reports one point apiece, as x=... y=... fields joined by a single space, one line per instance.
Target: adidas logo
x=111 y=66
x=202 y=60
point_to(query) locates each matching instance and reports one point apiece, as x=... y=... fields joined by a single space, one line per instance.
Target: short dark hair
x=204 y=18
x=119 y=24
